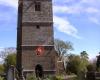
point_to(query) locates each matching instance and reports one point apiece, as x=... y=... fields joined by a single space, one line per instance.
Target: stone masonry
x=35 y=28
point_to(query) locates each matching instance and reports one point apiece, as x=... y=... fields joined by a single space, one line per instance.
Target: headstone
x=93 y=76
x=90 y=76
x=10 y=73
x=60 y=67
x=97 y=75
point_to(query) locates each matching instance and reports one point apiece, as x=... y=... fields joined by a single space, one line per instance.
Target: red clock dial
x=39 y=50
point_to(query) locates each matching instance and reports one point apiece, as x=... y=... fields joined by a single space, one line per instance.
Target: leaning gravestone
x=10 y=73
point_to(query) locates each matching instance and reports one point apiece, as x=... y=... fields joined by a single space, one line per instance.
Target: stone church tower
x=35 y=41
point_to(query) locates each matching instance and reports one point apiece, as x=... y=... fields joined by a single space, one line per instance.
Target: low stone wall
x=93 y=76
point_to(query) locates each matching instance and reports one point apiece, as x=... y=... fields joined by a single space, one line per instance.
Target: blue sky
x=77 y=21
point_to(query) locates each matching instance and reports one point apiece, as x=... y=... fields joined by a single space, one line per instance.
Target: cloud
x=73 y=9
x=12 y=3
x=92 y=10
x=89 y=8
x=1 y=48
x=8 y=15
x=8 y=19
x=1 y=61
x=94 y=3
x=67 y=9
x=94 y=20
x=65 y=26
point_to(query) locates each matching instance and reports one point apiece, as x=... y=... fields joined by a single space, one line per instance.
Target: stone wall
x=33 y=36
x=30 y=15
x=47 y=60
x=35 y=28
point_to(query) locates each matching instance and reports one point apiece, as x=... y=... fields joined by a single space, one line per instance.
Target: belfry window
x=37 y=26
x=37 y=6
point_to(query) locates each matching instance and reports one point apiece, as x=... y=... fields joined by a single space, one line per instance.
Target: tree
x=1 y=68
x=91 y=67
x=74 y=64
x=10 y=60
x=84 y=60
x=9 y=56
x=84 y=55
x=7 y=51
x=1 y=78
x=98 y=62
x=77 y=63
x=62 y=47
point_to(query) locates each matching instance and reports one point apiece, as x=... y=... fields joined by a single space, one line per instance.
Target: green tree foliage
x=9 y=57
x=77 y=63
x=31 y=77
x=1 y=68
x=62 y=47
x=84 y=60
x=1 y=78
x=91 y=67
x=84 y=55
x=74 y=64
x=9 y=60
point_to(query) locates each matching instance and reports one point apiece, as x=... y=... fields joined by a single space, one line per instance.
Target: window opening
x=37 y=26
x=37 y=6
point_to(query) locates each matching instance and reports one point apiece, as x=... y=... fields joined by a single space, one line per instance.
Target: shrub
x=31 y=77
x=1 y=78
x=90 y=67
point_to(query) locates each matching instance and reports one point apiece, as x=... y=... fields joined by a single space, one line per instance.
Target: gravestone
x=97 y=75
x=10 y=73
x=90 y=76
x=93 y=76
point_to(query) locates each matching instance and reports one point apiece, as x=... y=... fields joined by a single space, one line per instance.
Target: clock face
x=39 y=50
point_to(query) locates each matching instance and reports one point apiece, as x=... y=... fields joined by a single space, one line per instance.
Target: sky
x=77 y=21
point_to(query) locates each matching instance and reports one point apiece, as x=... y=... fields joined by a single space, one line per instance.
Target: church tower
x=35 y=41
